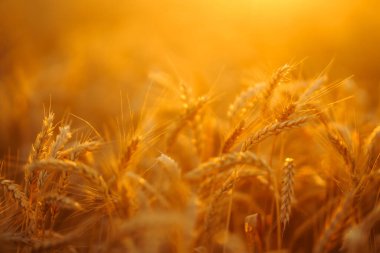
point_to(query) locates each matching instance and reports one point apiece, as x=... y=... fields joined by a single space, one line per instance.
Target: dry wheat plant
x=289 y=164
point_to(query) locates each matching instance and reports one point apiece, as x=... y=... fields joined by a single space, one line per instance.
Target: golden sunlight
x=189 y=126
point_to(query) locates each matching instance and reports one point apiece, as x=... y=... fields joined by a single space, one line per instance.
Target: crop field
x=247 y=126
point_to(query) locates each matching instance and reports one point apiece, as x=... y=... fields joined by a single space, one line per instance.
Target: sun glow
x=189 y=126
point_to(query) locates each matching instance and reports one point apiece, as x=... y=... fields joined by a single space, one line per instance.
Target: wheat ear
x=274 y=129
x=189 y=115
x=70 y=166
x=287 y=191
x=39 y=150
x=342 y=148
x=226 y=161
x=232 y=138
x=276 y=79
x=78 y=149
x=239 y=106
x=171 y=165
x=130 y=150
x=40 y=146
x=54 y=199
x=60 y=141
x=313 y=87
x=58 y=144
x=17 y=194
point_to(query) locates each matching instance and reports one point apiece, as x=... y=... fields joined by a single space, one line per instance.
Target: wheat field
x=189 y=127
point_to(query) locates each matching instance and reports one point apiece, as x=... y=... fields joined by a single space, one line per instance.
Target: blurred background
x=81 y=55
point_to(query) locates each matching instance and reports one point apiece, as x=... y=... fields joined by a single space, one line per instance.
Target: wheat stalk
x=337 y=219
x=211 y=212
x=356 y=238
x=254 y=228
x=372 y=149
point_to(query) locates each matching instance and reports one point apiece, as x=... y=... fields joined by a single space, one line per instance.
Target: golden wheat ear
x=60 y=141
x=279 y=75
x=274 y=129
x=128 y=154
x=16 y=194
x=244 y=102
x=233 y=137
x=39 y=151
x=186 y=118
x=225 y=162
x=287 y=191
x=74 y=167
